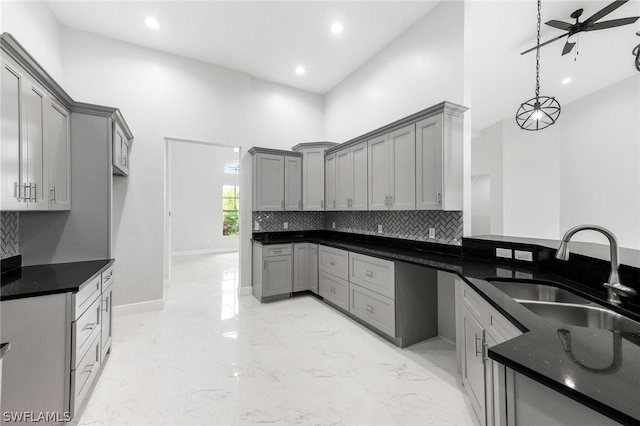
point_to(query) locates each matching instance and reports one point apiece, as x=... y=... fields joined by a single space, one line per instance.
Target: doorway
x=202 y=199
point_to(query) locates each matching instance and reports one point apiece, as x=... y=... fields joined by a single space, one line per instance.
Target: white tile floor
x=211 y=357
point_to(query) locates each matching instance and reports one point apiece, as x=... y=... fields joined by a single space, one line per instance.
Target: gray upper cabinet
x=330 y=182
x=392 y=170
x=121 y=150
x=58 y=143
x=313 y=179
x=351 y=178
x=292 y=183
x=277 y=180
x=439 y=169
x=268 y=182
x=36 y=144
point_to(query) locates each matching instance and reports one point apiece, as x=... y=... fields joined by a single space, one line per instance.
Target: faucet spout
x=614 y=287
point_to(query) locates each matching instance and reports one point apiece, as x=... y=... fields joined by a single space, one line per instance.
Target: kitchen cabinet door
x=359 y=171
x=268 y=182
x=34 y=143
x=343 y=179
x=429 y=163
x=313 y=179
x=301 y=259
x=107 y=317
x=292 y=183
x=473 y=368
x=378 y=171
x=10 y=150
x=58 y=142
x=277 y=275
x=313 y=268
x=402 y=169
x=121 y=150
x=330 y=181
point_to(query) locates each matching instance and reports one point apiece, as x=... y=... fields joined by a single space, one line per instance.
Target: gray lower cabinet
x=334 y=289
x=377 y=310
x=272 y=270
x=301 y=266
x=313 y=268
x=480 y=326
x=107 y=312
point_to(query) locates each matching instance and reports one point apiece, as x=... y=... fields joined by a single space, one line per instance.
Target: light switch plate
x=523 y=255
x=432 y=232
x=285 y=225
x=379 y=229
x=256 y=226
x=503 y=273
x=503 y=252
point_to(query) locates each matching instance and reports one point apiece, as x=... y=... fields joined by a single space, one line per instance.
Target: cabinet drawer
x=85 y=296
x=276 y=250
x=375 y=274
x=334 y=289
x=83 y=330
x=376 y=310
x=82 y=377
x=334 y=261
x=107 y=277
x=500 y=328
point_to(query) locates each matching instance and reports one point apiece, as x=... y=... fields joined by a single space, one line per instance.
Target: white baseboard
x=138 y=308
x=205 y=251
x=245 y=291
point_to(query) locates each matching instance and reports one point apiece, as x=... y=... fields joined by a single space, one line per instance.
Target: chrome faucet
x=614 y=287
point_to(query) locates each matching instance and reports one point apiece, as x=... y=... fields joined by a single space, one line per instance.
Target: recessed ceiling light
x=566 y=80
x=300 y=70
x=152 y=23
x=337 y=28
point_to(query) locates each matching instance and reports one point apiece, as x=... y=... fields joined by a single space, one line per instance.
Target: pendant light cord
x=538 y=53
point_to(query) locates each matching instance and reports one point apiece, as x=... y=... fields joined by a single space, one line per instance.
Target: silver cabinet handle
x=439 y=197
x=390 y=200
x=332 y=262
x=25 y=187
x=369 y=273
x=332 y=290
x=478 y=339
x=106 y=304
x=485 y=352
x=334 y=204
x=89 y=368
x=370 y=308
x=322 y=204
x=16 y=190
x=33 y=191
x=90 y=326
x=386 y=201
x=53 y=190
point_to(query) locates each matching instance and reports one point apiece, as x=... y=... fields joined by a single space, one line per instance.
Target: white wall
x=584 y=169
x=163 y=95
x=196 y=178
x=35 y=27
x=486 y=159
x=420 y=68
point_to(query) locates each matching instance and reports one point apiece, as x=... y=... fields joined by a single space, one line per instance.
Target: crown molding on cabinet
x=314 y=145
x=19 y=54
x=446 y=107
x=257 y=150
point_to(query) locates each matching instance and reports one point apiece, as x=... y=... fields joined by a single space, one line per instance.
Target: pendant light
x=541 y=111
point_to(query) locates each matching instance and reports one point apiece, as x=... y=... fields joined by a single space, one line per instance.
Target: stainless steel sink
x=538 y=292
x=582 y=316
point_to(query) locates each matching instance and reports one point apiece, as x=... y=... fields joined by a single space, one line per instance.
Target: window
x=230 y=207
x=232 y=168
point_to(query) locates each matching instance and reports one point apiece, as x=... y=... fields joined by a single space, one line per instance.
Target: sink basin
x=583 y=316
x=538 y=292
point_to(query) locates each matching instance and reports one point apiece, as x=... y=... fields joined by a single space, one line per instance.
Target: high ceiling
x=270 y=39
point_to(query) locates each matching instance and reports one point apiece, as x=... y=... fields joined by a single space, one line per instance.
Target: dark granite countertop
x=598 y=368
x=41 y=280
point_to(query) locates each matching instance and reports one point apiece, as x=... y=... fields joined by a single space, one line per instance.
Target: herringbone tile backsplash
x=409 y=225
x=9 y=241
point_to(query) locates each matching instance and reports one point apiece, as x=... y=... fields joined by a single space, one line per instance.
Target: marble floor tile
x=214 y=358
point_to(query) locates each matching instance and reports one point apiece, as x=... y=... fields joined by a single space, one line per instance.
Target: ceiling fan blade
x=545 y=43
x=606 y=10
x=559 y=24
x=568 y=46
x=612 y=23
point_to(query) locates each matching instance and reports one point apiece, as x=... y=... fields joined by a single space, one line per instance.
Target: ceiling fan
x=590 y=24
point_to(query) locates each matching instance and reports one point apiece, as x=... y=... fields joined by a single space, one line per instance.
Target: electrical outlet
x=379 y=229
x=285 y=225
x=503 y=252
x=503 y=273
x=256 y=226
x=333 y=225
x=523 y=255
x=432 y=232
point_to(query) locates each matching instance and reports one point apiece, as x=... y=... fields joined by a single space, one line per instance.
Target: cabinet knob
x=369 y=273
x=332 y=290
x=332 y=262
x=370 y=308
